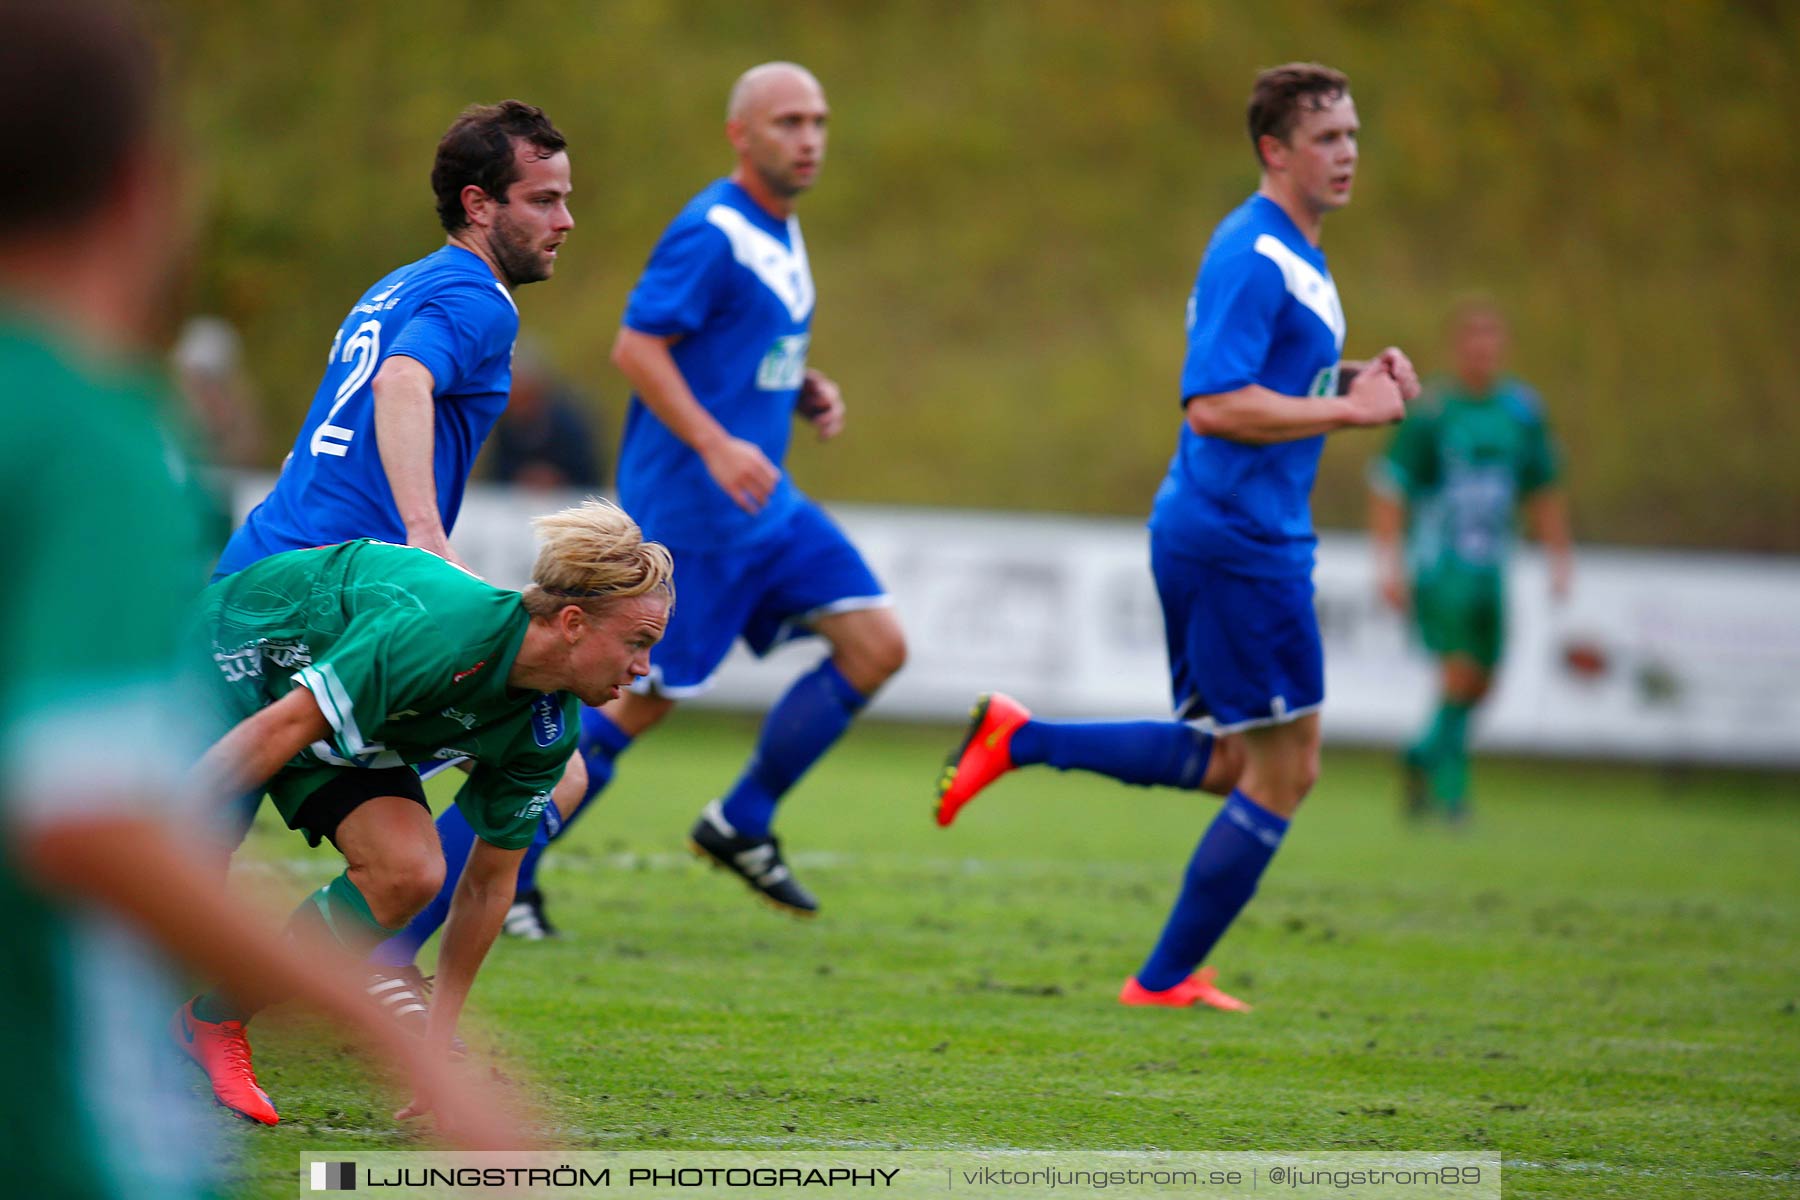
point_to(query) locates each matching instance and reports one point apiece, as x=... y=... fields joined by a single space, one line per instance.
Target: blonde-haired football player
x=345 y=666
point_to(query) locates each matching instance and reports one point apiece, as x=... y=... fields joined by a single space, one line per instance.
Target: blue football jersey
x=734 y=283
x=448 y=312
x=1264 y=310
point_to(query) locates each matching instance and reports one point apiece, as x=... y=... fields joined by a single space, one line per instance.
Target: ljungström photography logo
x=334 y=1177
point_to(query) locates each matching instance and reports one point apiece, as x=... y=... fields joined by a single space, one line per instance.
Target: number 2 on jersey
x=363 y=350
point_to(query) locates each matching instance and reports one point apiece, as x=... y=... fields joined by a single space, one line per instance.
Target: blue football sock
x=1221 y=878
x=797 y=732
x=601 y=743
x=458 y=838
x=1142 y=752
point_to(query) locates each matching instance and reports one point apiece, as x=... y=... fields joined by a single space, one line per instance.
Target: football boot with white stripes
x=526 y=918
x=755 y=860
x=405 y=995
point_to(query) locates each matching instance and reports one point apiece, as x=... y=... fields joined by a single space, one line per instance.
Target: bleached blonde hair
x=591 y=555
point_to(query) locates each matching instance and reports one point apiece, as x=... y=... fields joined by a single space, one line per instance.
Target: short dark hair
x=81 y=79
x=479 y=149
x=1281 y=92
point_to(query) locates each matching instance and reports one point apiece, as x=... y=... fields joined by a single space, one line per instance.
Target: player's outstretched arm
x=130 y=866
x=1258 y=416
x=405 y=429
x=739 y=467
x=477 y=911
x=259 y=745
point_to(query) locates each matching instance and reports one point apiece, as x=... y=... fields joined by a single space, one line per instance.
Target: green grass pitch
x=1598 y=978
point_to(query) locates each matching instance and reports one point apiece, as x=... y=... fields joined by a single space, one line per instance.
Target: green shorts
x=1462 y=612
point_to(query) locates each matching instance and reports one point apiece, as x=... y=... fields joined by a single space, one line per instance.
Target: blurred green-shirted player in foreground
x=94 y=507
x=105 y=542
x=1474 y=450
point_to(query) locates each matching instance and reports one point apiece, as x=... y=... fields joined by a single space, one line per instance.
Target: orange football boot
x=985 y=753
x=223 y=1052
x=1195 y=989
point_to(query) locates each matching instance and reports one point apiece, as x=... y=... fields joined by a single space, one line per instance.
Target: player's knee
x=873 y=658
x=888 y=651
x=1225 y=767
x=1306 y=774
x=1292 y=778
x=405 y=884
x=1465 y=682
x=1470 y=689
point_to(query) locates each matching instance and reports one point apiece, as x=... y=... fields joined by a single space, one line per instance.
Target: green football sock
x=1424 y=750
x=339 y=911
x=1449 y=762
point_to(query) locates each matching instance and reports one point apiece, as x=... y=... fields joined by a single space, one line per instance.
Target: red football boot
x=1195 y=989
x=985 y=753
x=223 y=1052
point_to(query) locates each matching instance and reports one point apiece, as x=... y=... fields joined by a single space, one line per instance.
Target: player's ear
x=478 y=206
x=572 y=620
x=1272 y=150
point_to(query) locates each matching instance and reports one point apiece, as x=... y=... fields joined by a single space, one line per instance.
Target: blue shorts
x=768 y=594
x=1243 y=651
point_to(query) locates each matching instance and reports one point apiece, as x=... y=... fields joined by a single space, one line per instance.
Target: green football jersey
x=105 y=551
x=407 y=656
x=1463 y=463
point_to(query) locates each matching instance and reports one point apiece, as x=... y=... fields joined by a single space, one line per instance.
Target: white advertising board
x=1660 y=656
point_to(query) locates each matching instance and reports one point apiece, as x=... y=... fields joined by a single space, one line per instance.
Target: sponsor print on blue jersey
x=734 y=286
x=1264 y=311
x=448 y=313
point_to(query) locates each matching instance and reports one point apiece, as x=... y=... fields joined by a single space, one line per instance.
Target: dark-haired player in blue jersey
x=1231 y=538
x=421 y=367
x=715 y=341
x=416 y=377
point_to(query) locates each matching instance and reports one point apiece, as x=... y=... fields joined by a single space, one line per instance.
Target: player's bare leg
x=1281 y=764
x=395 y=868
x=868 y=646
x=393 y=856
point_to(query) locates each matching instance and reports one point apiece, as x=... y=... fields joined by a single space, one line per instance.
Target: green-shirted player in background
x=344 y=666
x=1473 y=451
x=105 y=551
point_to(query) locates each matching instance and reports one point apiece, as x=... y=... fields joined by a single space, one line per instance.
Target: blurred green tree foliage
x=1018 y=194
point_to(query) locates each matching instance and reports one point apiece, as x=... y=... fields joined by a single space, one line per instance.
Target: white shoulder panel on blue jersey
x=1306 y=284
x=785 y=272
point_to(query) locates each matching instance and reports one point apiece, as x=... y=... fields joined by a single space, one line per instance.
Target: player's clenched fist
x=1375 y=396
